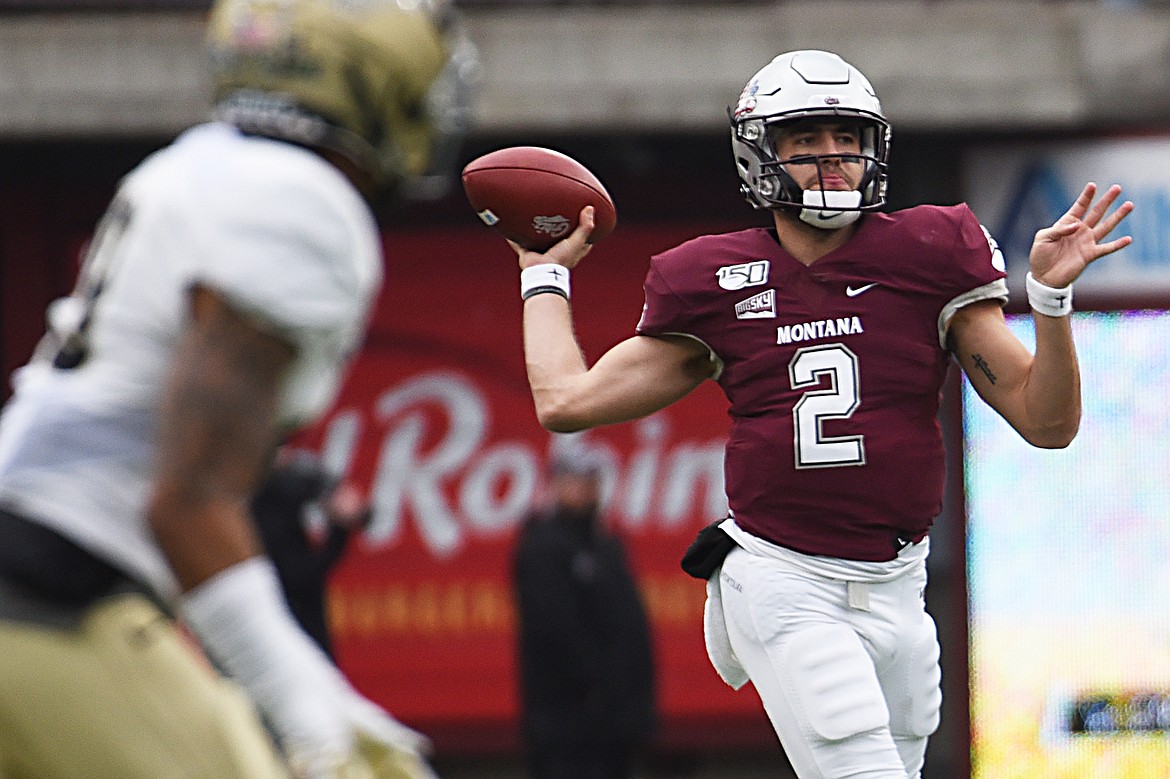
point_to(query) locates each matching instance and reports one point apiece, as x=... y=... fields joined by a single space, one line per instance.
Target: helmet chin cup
x=830 y=209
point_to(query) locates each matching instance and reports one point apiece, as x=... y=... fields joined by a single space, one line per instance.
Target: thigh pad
x=913 y=685
x=834 y=681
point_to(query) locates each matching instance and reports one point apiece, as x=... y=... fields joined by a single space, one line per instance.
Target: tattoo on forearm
x=982 y=365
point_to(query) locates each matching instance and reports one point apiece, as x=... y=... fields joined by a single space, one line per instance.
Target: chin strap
x=823 y=208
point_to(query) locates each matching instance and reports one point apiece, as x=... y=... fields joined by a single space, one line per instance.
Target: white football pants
x=847 y=671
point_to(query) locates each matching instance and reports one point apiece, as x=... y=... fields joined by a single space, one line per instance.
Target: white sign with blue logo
x=1017 y=189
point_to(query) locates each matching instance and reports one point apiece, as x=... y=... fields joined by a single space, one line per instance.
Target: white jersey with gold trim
x=272 y=227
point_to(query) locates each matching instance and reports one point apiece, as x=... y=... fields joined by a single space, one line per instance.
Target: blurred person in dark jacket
x=305 y=518
x=585 y=656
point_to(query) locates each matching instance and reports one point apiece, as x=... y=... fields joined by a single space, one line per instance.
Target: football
x=533 y=195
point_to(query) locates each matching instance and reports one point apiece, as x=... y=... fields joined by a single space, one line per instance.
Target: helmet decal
x=747 y=99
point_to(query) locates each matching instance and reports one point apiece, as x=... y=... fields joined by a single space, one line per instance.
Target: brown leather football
x=533 y=196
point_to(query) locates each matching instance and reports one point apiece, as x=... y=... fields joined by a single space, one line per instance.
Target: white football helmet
x=802 y=85
x=385 y=83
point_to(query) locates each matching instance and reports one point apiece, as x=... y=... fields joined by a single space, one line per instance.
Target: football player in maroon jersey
x=830 y=334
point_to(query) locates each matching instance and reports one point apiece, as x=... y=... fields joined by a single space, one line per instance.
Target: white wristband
x=1048 y=300
x=545 y=277
x=243 y=623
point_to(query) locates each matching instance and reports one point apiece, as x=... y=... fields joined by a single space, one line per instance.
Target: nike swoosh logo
x=853 y=292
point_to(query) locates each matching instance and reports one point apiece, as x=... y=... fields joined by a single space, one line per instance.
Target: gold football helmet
x=386 y=83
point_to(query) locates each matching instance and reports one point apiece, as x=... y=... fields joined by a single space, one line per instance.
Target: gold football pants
x=122 y=695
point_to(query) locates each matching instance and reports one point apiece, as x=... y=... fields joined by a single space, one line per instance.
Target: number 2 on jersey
x=807 y=368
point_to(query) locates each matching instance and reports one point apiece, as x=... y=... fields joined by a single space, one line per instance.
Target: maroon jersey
x=833 y=371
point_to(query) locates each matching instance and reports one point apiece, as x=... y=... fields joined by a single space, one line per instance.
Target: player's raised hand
x=1060 y=253
x=568 y=251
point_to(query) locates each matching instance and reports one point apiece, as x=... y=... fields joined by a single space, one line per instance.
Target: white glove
x=384 y=748
x=326 y=729
x=376 y=746
x=387 y=756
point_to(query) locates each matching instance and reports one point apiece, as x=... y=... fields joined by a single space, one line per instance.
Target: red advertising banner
x=436 y=423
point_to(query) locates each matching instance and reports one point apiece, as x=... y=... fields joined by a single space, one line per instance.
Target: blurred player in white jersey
x=224 y=290
x=830 y=332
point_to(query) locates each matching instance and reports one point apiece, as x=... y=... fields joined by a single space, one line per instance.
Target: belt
x=40 y=562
